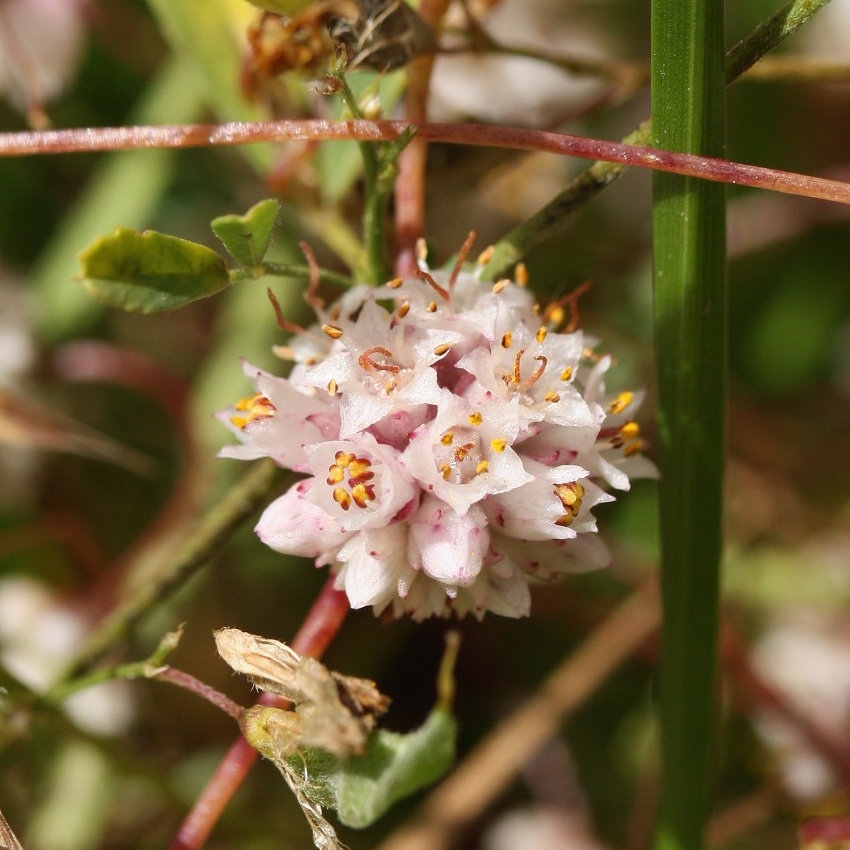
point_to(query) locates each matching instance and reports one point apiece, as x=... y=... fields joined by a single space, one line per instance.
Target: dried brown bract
x=332 y=712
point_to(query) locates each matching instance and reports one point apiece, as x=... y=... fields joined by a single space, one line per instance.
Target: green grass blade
x=690 y=308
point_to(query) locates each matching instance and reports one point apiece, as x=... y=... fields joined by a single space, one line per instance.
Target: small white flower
x=455 y=443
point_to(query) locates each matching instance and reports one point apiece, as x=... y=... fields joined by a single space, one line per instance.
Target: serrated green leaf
x=247 y=237
x=150 y=272
x=362 y=788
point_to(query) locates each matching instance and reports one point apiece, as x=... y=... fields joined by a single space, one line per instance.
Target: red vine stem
x=482 y=135
x=322 y=623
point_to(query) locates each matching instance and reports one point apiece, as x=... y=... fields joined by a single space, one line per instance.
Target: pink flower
x=455 y=445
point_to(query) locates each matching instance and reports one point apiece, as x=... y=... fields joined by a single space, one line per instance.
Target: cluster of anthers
x=453 y=441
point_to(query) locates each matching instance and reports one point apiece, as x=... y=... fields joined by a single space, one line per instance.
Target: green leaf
x=362 y=788
x=247 y=237
x=150 y=272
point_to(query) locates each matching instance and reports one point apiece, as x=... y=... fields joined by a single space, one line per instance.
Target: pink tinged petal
x=448 y=547
x=501 y=589
x=547 y=560
x=373 y=564
x=294 y=526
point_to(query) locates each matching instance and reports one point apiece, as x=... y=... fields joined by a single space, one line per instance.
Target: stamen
x=634 y=448
x=440 y=350
x=332 y=331
x=498 y=445
x=395 y=283
x=462 y=451
x=423 y=275
x=482 y=466
x=342 y=498
x=332 y=387
x=501 y=285
x=404 y=309
x=521 y=274
x=475 y=418
x=461 y=257
x=421 y=250
x=553 y=397
x=256 y=406
x=517 y=377
x=507 y=339
x=432 y=307
x=486 y=255
x=620 y=403
x=630 y=430
x=567 y=373
x=363 y=494
x=538 y=371
x=445 y=471
x=366 y=362
x=282 y=322
x=448 y=438
x=570 y=496
x=541 y=334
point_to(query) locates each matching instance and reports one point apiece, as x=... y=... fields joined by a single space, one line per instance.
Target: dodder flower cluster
x=454 y=444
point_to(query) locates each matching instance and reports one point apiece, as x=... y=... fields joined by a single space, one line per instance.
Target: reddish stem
x=322 y=623
x=481 y=135
x=410 y=184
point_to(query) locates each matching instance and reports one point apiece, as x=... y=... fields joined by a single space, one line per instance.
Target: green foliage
x=362 y=788
x=247 y=237
x=150 y=272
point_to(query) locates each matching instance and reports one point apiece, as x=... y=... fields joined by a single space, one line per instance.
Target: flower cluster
x=453 y=443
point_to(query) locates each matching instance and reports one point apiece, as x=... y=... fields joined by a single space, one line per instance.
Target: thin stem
x=551 y=219
x=243 y=499
x=291 y=270
x=498 y=758
x=410 y=186
x=322 y=623
x=477 y=135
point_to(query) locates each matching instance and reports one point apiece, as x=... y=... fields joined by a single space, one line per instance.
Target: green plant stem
x=244 y=498
x=291 y=270
x=550 y=219
x=689 y=227
x=373 y=266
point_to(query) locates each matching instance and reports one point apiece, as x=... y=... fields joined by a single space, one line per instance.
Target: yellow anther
x=482 y=466
x=362 y=494
x=570 y=496
x=395 y=283
x=620 y=403
x=475 y=418
x=404 y=309
x=332 y=331
x=630 y=430
x=633 y=448
x=567 y=373
x=555 y=315
x=391 y=385
x=336 y=475
x=445 y=471
x=498 y=445
x=486 y=255
x=342 y=498
x=501 y=285
x=507 y=339
x=256 y=406
x=440 y=350
x=432 y=307
x=239 y=421
x=421 y=250
x=332 y=387
x=447 y=439
x=553 y=397
x=541 y=334
x=521 y=274
x=310 y=361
